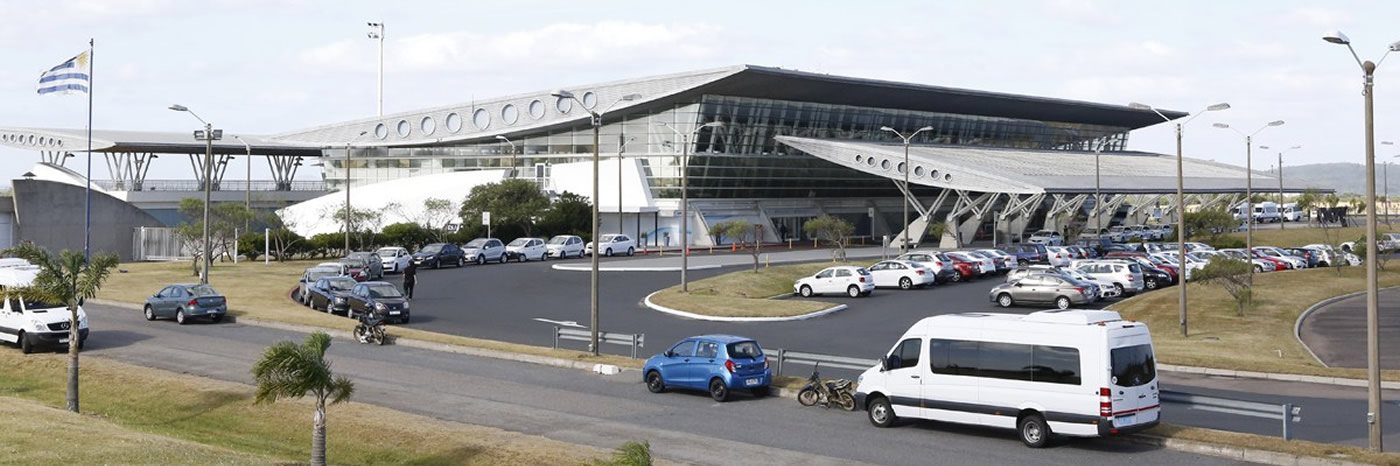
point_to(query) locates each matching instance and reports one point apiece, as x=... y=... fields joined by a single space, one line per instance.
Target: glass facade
x=738 y=160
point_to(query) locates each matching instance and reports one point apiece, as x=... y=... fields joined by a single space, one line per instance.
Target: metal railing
x=778 y=357
x=636 y=341
x=1286 y=412
x=196 y=185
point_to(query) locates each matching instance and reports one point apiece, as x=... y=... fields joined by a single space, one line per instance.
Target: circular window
x=536 y=109
x=454 y=122
x=918 y=170
x=590 y=100
x=859 y=158
x=510 y=114
x=933 y=174
x=564 y=104
x=31 y=139
x=403 y=128
x=381 y=131
x=870 y=161
x=885 y=164
x=427 y=125
x=43 y=141
x=947 y=177
x=60 y=143
x=900 y=168
x=481 y=118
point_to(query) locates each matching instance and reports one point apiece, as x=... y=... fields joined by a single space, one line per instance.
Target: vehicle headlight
x=38 y=326
x=82 y=322
x=405 y=305
x=339 y=300
x=379 y=306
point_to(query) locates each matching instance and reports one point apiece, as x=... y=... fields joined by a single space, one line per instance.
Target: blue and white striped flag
x=71 y=77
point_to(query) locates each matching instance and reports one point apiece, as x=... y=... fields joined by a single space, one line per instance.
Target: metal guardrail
x=1287 y=412
x=781 y=356
x=225 y=185
x=636 y=341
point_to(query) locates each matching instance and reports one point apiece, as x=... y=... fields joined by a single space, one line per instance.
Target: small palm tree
x=69 y=279
x=287 y=370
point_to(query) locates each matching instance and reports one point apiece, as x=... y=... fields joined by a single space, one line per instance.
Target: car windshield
x=36 y=304
x=476 y=243
x=519 y=242
x=203 y=290
x=384 y=291
x=319 y=274
x=609 y=238
x=559 y=240
x=387 y=252
x=341 y=284
x=431 y=248
x=1133 y=365
x=744 y=349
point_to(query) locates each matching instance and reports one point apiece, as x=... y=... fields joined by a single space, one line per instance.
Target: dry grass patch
x=744 y=293
x=1262 y=339
x=222 y=415
x=1276 y=444
x=1295 y=236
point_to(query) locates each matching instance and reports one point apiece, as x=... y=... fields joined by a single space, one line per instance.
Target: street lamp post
x=1373 y=368
x=1385 y=170
x=377 y=32
x=1283 y=222
x=685 y=199
x=248 y=186
x=1248 y=210
x=621 y=143
x=347 y=188
x=1098 y=196
x=208 y=135
x=511 y=173
x=596 y=121
x=904 y=245
x=1180 y=204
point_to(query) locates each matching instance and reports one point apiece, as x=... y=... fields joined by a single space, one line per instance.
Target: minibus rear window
x=1133 y=365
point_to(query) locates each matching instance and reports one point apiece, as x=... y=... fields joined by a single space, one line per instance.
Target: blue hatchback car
x=719 y=364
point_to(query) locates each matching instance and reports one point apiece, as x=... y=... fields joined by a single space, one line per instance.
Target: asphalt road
x=1336 y=333
x=575 y=406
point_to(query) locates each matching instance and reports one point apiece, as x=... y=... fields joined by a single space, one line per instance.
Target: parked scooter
x=828 y=392
x=371 y=329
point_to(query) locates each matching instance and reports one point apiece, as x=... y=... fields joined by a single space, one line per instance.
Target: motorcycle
x=371 y=330
x=828 y=392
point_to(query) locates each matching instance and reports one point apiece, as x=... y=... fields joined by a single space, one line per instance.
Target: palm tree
x=69 y=279
x=287 y=370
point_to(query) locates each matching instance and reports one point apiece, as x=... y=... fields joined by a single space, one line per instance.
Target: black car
x=1307 y=254
x=381 y=298
x=1154 y=278
x=332 y=294
x=440 y=254
x=1025 y=253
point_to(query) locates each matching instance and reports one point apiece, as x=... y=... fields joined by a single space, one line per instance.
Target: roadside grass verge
x=1300 y=235
x=261 y=291
x=744 y=293
x=1260 y=340
x=29 y=438
x=1275 y=444
x=222 y=415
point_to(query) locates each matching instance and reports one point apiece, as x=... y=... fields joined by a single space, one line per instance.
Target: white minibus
x=1080 y=373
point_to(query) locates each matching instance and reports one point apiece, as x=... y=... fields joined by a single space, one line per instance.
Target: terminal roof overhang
x=1024 y=171
x=160 y=142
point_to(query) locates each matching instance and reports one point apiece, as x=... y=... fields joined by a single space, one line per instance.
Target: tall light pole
x=685 y=198
x=1373 y=367
x=597 y=123
x=1098 y=196
x=511 y=173
x=248 y=182
x=1386 y=174
x=1181 y=204
x=377 y=32
x=208 y=135
x=347 y=188
x=1248 y=209
x=904 y=245
x=1283 y=222
x=621 y=143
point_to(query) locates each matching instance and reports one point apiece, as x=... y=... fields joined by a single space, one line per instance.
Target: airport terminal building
x=769 y=145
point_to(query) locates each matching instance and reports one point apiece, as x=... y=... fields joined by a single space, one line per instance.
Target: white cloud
x=1318 y=17
x=1083 y=11
x=1125 y=88
x=1259 y=50
x=286 y=97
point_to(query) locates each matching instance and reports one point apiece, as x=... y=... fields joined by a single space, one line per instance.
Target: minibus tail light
x=1105 y=402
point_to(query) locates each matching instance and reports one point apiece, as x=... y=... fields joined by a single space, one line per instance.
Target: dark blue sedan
x=718 y=364
x=186 y=301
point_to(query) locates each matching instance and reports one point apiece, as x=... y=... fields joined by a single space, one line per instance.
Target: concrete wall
x=51 y=215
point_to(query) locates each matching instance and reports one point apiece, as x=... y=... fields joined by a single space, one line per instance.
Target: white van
x=1077 y=373
x=1291 y=212
x=32 y=324
x=1267 y=212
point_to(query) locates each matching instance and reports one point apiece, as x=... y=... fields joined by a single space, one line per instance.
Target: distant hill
x=1343 y=177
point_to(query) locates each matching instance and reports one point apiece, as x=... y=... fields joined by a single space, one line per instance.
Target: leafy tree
x=1359 y=248
x=288 y=370
x=515 y=205
x=1308 y=201
x=224 y=219
x=1207 y=225
x=321 y=244
x=569 y=214
x=250 y=245
x=68 y=279
x=363 y=224
x=743 y=232
x=1230 y=273
x=409 y=235
x=435 y=217
x=834 y=231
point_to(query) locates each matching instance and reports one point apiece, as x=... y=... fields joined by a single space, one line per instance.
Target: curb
x=1298 y=325
x=589 y=268
x=1236 y=453
x=690 y=315
x=1238 y=374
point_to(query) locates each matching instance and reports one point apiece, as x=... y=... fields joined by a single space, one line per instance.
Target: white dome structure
x=398 y=200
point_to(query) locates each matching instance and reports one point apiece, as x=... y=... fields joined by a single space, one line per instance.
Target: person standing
x=410 y=278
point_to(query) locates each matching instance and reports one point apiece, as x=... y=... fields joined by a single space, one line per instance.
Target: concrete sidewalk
x=700 y=259
x=1336 y=331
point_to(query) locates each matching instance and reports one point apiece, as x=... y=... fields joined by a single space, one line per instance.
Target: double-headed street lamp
x=1283 y=222
x=909 y=193
x=1248 y=209
x=248 y=187
x=685 y=199
x=347 y=188
x=376 y=32
x=622 y=141
x=1373 y=367
x=597 y=123
x=1180 y=203
x=208 y=135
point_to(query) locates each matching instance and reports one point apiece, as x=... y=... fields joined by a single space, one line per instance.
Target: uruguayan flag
x=71 y=77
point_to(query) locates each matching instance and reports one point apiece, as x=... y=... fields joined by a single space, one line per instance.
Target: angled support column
x=284 y=169
x=1017 y=213
x=919 y=226
x=1110 y=207
x=1062 y=206
x=953 y=236
x=909 y=197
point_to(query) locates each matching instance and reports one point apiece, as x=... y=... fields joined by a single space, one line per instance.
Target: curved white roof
x=399 y=200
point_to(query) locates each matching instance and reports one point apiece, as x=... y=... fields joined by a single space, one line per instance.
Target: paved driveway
x=1337 y=332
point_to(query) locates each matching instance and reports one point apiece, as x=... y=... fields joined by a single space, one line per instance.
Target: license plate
x=393 y=313
x=1125 y=420
x=63 y=340
x=752 y=382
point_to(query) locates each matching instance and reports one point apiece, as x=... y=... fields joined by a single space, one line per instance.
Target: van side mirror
x=884 y=364
x=81 y=301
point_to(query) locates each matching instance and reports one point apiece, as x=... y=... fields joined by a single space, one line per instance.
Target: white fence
x=158 y=244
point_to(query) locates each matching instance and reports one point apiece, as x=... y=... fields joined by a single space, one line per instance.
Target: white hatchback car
x=564 y=246
x=1124 y=276
x=1058 y=256
x=1047 y=237
x=902 y=274
x=394 y=258
x=614 y=244
x=483 y=250
x=854 y=281
x=525 y=249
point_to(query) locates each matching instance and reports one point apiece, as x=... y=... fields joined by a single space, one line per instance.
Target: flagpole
x=87 y=201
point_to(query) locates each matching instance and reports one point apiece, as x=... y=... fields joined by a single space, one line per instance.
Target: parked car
x=483 y=250
x=902 y=274
x=310 y=275
x=357 y=268
x=999 y=264
x=381 y=298
x=524 y=249
x=374 y=265
x=1314 y=258
x=1031 y=269
x=985 y=264
x=1100 y=290
x=1092 y=372
x=968 y=268
x=1260 y=264
x=1326 y=255
x=1059 y=256
x=1046 y=237
x=1193 y=247
x=854 y=281
x=1153 y=277
x=1005 y=261
x=1096 y=247
x=1118 y=233
x=940 y=263
x=1125 y=276
x=613 y=243
x=1042 y=288
x=393 y=259
x=1092 y=233
x=186 y=301
x=332 y=295
x=1136 y=232
x=1025 y=252
x=30 y=323
x=1291 y=213
x=1154 y=262
x=718 y=364
x=1189 y=266
x=565 y=246
x=1271 y=252
x=436 y=255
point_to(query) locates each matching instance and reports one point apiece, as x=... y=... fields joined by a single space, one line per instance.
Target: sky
x=270 y=66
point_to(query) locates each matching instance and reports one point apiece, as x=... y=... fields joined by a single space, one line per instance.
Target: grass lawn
x=260 y=291
x=1297 y=235
x=1327 y=451
x=151 y=403
x=744 y=293
x=1262 y=339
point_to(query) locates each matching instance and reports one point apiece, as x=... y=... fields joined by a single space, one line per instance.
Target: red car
x=1278 y=264
x=965 y=269
x=1170 y=269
